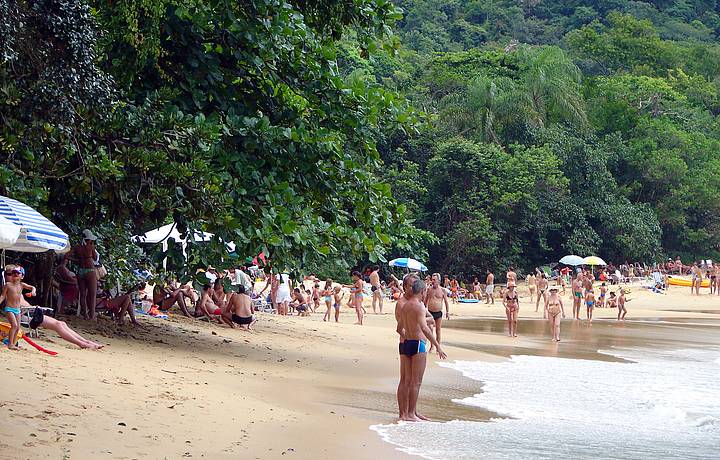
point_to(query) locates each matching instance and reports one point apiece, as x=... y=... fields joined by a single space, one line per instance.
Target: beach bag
x=100 y=271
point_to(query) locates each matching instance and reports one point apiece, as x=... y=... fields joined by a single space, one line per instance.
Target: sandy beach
x=296 y=388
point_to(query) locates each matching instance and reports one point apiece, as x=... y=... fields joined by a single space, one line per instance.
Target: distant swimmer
x=511 y=301
x=413 y=330
x=554 y=309
x=435 y=297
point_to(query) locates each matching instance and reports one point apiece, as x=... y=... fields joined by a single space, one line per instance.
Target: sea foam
x=653 y=404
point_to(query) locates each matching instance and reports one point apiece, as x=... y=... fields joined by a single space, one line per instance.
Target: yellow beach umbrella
x=593 y=261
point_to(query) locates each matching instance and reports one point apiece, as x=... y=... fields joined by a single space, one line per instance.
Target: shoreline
x=297 y=387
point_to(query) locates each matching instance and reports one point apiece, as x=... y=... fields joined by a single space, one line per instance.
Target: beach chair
x=26 y=314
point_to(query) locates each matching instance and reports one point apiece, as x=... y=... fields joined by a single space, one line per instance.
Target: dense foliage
x=586 y=127
x=483 y=134
x=227 y=116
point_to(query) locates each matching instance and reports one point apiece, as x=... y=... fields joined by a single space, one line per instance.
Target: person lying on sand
x=240 y=307
x=63 y=330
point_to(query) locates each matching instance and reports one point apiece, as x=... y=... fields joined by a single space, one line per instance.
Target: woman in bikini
x=554 y=308
x=511 y=301
x=85 y=255
x=356 y=293
x=542 y=284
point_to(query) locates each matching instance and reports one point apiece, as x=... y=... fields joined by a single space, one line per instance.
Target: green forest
x=331 y=134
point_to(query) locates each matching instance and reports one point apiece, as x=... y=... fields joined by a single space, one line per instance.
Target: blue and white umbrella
x=572 y=260
x=407 y=262
x=37 y=234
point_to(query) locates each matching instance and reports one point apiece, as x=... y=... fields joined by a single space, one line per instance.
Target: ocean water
x=646 y=404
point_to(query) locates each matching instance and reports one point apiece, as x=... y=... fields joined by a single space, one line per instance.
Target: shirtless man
x=299 y=302
x=413 y=330
x=376 y=288
x=206 y=307
x=577 y=295
x=240 y=307
x=489 y=287
x=542 y=285
x=434 y=299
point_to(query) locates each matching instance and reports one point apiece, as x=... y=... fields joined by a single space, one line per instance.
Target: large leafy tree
x=227 y=116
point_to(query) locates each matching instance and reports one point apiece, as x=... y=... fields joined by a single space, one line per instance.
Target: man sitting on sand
x=165 y=297
x=205 y=307
x=240 y=307
x=414 y=331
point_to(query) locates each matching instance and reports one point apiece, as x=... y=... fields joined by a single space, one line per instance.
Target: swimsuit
x=400 y=348
x=84 y=271
x=554 y=308
x=14 y=311
x=412 y=347
x=436 y=314
x=590 y=303
x=242 y=319
x=337 y=305
x=578 y=294
x=328 y=298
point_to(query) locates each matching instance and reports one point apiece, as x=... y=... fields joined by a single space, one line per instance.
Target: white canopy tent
x=164 y=233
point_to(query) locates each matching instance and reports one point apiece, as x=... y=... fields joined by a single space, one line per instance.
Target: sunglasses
x=12 y=273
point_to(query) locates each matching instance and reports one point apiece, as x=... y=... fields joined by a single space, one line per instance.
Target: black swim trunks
x=412 y=347
x=242 y=319
x=373 y=288
x=436 y=314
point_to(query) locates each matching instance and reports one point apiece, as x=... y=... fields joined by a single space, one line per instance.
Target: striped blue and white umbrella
x=407 y=262
x=37 y=233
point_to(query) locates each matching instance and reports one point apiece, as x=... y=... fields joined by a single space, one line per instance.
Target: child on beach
x=622 y=311
x=612 y=300
x=338 y=295
x=316 y=295
x=601 y=299
x=590 y=303
x=327 y=296
x=12 y=296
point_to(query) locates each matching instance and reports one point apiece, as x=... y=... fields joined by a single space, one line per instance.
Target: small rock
x=122 y=424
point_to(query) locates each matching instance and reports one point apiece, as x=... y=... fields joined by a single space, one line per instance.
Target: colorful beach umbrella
x=37 y=233
x=593 y=260
x=572 y=260
x=409 y=263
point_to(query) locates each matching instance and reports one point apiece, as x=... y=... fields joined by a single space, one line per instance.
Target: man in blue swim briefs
x=414 y=333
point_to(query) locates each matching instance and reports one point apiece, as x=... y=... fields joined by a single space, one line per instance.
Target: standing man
x=376 y=288
x=489 y=287
x=542 y=285
x=435 y=297
x=413 y=330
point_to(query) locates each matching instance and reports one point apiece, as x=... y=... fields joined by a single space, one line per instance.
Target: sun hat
x=88 y=235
